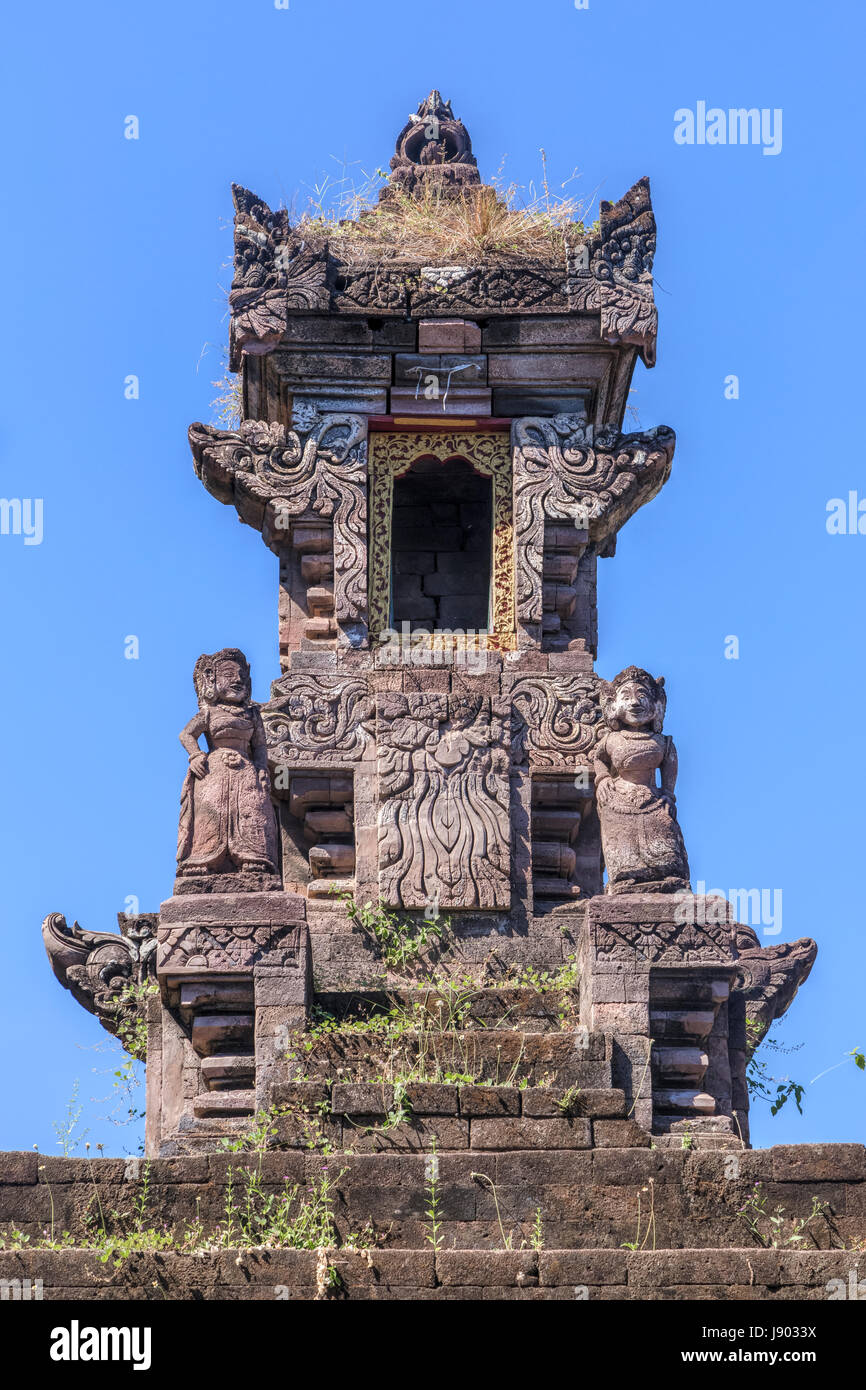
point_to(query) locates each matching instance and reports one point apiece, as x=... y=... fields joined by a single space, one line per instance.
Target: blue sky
x=117 y=262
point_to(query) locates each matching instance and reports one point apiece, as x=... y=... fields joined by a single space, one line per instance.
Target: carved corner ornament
x=103 y=970
x=568 y=473
x=276 y=272
x=769 y=977
x=277 y=477
x=612 y=272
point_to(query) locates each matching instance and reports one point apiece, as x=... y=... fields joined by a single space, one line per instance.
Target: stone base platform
x=683 y=1210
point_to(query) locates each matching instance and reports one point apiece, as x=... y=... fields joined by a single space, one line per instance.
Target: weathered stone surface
x=104 y=971
x=530 y=1134
x=489 y=1100
x=819 y=1162
x=619 y=1134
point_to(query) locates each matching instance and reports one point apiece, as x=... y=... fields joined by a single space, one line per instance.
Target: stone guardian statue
x=227 y=823
x=641 y=840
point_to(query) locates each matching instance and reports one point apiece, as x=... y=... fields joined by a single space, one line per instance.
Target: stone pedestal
x=658 y=972
x=234 y=978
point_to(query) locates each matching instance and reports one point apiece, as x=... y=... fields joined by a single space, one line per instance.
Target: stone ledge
x=588 y=1198
x=584 y=1275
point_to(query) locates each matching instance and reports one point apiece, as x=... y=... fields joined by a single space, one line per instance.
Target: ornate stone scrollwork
x=311 y=718
x=276 y=477
x=238 y=947
x=594 y=480
x=102 y=969
x=555 y=723
x=392 y=455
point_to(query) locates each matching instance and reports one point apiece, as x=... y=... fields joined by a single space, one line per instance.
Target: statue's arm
x=189 y=738
x=602 y=771
x=259 y=745
x=669 y=771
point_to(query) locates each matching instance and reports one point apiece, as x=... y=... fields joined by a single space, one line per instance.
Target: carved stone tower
x=433 y=448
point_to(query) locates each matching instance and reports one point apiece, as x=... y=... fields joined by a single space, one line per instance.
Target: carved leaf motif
x=228 y=948
x=663 y=941
x=539 y=286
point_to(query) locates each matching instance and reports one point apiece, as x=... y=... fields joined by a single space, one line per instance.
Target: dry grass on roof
x=442 y=227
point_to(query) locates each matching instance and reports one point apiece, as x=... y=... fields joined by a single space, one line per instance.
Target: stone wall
x=690 y=1202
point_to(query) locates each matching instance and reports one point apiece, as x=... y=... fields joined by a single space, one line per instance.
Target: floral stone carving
x=555 y=722
x=641 y=840
x=310 y=718
x=444 y=828
x=227 y=825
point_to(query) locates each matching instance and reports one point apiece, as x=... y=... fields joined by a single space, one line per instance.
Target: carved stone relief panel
x=444 y=824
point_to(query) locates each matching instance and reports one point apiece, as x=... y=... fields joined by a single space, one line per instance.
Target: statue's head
x=635 y=700
x=223 y=678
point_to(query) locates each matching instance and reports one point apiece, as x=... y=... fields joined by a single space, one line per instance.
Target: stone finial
x=433 y=148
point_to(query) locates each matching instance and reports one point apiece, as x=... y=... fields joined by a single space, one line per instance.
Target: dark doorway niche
x=441 y=547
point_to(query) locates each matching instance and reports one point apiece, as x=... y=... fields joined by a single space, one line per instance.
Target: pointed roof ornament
x=433 y=148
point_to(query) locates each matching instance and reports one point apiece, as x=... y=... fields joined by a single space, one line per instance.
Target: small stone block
x=489 y=1100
